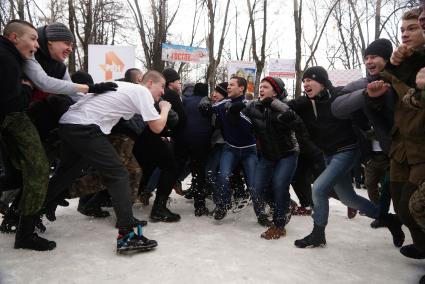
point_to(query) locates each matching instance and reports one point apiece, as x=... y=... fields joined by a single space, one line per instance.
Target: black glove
x=286 y=117
x=102 y=87
x=236 y=107
x=267 y=101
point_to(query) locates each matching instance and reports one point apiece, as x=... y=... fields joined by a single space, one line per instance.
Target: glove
x=286 y=117
x=267 y=102
x=102 y=87
x=235 y=107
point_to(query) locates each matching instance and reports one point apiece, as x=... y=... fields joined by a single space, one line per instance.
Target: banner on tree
x=282 y=68
x=182 y=53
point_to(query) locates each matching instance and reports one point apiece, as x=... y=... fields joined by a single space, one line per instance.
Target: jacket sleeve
x=346 y=104
x=205 y=107
x=44 y=82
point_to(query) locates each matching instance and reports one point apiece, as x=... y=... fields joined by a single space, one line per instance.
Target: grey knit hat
x=58 y=32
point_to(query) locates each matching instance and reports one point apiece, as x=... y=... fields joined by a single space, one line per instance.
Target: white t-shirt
x=105 y=110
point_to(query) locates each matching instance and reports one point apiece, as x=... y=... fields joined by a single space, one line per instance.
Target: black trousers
x=86 y=145
x=151 y=151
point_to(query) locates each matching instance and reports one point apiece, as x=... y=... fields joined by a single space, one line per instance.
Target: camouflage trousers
x=26 y=152
x=92 y=183
x=417 y=206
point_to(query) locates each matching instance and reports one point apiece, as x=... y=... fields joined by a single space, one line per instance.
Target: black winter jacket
x=274 y=128
x=329 y=133
x=14 y=96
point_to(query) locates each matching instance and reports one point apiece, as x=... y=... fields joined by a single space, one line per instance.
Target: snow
x=202 y=250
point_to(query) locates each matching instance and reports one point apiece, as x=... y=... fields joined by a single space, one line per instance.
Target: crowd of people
x=115 y=143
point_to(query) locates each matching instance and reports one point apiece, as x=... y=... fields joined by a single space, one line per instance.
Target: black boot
x=200 y=208
x=27 y=238
x=412 y=251
x=160 y=212
x=393 y=224
x=10 y=220
x=315 y=239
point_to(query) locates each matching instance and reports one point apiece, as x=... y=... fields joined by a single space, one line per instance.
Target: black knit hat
x=170 y=75
x=381 y=47
x=58 y=32
x=277 y=85
x=200 y=89
x=222 y=88
x=318 y=74
x=81 y=77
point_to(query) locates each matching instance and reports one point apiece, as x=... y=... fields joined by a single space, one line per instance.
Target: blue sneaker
x=132 y=242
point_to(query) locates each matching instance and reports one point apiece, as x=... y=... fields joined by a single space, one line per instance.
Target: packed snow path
x=202 y=250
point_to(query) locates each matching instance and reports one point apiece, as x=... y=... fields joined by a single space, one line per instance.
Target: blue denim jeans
x=275 y=176
x=230 y=157
x=337 y=176
x=212 y=167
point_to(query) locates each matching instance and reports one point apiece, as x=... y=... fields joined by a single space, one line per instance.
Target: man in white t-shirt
x=83 y=130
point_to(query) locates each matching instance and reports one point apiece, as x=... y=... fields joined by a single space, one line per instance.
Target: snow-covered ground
x=202 y=250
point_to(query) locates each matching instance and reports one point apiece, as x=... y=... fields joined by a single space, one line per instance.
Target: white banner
x=243 y=69
x=182 y=53
x=282 y=68
x=109 y=62
x=343 y=77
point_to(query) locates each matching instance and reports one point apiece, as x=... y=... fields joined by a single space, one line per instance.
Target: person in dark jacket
x=278 y=150
x=192 y=144
x=336 y=138
x=20 y=137
x=377 y=54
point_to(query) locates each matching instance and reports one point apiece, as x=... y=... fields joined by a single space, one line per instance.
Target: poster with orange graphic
x=109 y=62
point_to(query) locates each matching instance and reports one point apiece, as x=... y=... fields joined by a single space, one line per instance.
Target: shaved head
x=16 y=26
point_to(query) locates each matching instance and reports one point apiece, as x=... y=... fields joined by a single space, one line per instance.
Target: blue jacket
x=237 y=129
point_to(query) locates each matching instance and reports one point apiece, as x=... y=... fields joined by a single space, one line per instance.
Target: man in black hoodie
x=22 y=142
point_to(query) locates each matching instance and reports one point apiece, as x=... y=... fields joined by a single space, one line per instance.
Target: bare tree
x=259 y=60
x=214 y=61
x=298 y=7
x=152 y=36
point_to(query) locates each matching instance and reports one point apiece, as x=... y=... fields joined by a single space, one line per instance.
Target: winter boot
x=200 y=207
x=10 y=221
x=302 y=211
x=160 y=213
x=220 y=211
x=351 y=213
x=315 y=239
x=377 y=224
x=264 y=221
x=128 y=241
x=393 y=224
x=26 y=238
x=274 y=233
x=412 y=251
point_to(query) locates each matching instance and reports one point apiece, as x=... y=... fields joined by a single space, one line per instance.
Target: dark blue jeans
x=337 y=176
x=275 y=176
x=230 y=157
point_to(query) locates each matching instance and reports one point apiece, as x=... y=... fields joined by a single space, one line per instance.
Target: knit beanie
x=58 y=32
x=170 y=75
x=318 y=74
x=200 y=89
x=381 y=47
x=81 y=77
x=277 y=85
x=222 y=89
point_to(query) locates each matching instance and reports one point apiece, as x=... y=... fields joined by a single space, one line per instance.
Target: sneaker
x=132 y=242
x=264 y=221
x=164 y=215
x=220 y=212
x=315 y=239
x=136 y=222
x=351 y=213
x=274 y=233
x=241 y=204
x=412 y=251
x=302 y=211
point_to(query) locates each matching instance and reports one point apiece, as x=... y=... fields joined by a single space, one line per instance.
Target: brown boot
x=351 y=213
x=274 y=233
